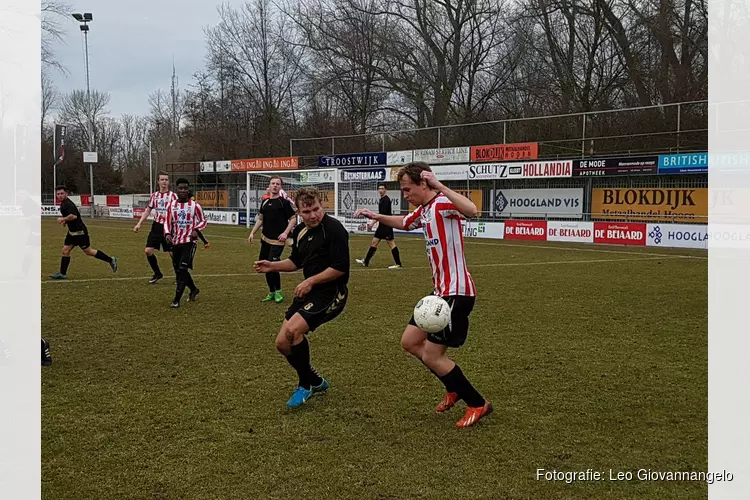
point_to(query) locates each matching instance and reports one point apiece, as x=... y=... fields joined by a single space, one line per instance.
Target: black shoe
x=113 y=264
x=155 y=278
x=175 y=304
x=193 y=294
x=46 y=356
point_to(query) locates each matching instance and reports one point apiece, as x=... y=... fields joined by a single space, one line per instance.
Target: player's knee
x=430 y=358
x=149 y=251
x=282 y=343
x=410 y=346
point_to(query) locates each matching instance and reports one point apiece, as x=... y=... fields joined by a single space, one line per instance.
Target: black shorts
x=183 y=255
x=454 y=335
x=156 y=238
x=384 y=232
x=319 y=306
x=79 y=240
x=270 y=252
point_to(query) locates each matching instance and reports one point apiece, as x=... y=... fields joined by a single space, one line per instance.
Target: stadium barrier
x=608 y=233
x=658 y=234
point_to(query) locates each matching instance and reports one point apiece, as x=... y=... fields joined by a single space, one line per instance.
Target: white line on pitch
x=358 y=270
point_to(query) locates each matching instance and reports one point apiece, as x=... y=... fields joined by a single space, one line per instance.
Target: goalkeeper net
x=343 y=192
x=324 y=179
x=358 y=189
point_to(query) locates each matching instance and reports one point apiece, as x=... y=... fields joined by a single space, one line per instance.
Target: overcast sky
x=131 y=46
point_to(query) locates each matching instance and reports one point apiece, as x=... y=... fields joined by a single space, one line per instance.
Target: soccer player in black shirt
x=277 y=217
x=321 y=250
x=78 y=236
x=383 y=232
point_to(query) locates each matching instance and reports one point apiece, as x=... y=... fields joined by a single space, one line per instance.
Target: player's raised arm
x=394 y=221
x=462 y=203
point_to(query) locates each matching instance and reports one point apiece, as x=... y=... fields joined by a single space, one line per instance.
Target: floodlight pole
x=91 y=125
x=84 y=20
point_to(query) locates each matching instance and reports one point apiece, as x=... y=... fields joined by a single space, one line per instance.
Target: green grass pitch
x=593 y=356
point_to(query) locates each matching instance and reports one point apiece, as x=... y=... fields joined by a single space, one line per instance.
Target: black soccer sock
x=456 y=379
x=299 y=358
x=64 y=263
x=274 y=281
x=312 y=374
x=448 y=381
x=190 y=283
x=294 y=358
x=370 y=253
x=396 y=256
x=103 y=256
x=182 y=281
x=154 y=264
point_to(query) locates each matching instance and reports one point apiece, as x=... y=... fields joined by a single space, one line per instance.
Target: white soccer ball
x=432 y=314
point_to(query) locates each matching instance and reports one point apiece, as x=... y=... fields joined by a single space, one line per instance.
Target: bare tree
x=134 y=141
x=255 y=41
x=84 y=113
x=53 y=13
x=49 y=96
x=344 y=39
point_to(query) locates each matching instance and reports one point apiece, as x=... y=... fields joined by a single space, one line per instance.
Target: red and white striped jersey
x=158 y=203
x=182 y=219
x=443 y=231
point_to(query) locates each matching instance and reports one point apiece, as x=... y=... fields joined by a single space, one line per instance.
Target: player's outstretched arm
x=394 y=221
x=282 y=266
x=462 y=203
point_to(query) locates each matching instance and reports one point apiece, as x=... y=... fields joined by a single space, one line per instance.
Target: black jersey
x=67 y=207
x=316 y=249
x=276 y=213
x=384 y=206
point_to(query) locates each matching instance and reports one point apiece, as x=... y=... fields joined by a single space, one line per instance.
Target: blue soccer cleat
x=299 y=396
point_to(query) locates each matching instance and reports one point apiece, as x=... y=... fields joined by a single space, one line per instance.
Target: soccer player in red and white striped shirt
x=184 y=219
x=158 y=202
x=439 y=213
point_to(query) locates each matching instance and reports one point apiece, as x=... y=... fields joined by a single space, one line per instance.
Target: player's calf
x=154 y=263
x=99 y=255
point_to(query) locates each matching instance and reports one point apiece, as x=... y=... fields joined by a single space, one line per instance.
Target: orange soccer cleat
x=447 y=402
x=473 y=414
